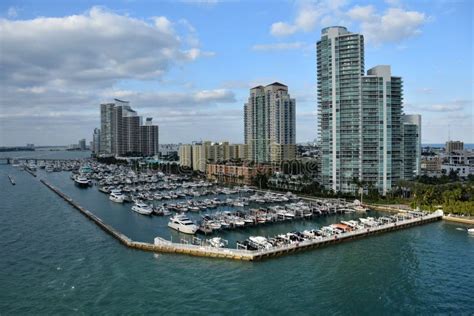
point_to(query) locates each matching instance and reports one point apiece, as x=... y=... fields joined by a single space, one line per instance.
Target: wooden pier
x=164 y=246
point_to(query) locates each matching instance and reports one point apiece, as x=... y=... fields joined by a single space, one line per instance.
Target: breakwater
x=164 y=246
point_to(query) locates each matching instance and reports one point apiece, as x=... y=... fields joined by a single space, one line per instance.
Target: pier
x=164 y=246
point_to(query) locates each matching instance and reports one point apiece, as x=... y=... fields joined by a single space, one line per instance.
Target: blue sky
x=190 y=64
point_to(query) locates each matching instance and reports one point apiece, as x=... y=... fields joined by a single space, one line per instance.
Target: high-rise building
x=360 y=116
x=411 y=148
x=185 y=154
x=200 y=153
x=340 y=66
x=82 y=144
x=269 y=124
x=122 y=132
x=149 y=135
x=454 y=145
x=199 y=156
x=106 y=128
x=381 y=128
x=96 y=141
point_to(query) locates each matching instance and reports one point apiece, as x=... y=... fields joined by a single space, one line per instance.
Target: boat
x=183 y=224
x=217 y=242
x=260 y=242
x=142 y=208
x=117 y=196
x=360 y=208
x=470 y=231
x=82 y=181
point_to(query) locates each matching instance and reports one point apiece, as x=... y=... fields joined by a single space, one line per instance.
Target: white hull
x=191 y=229
x=116 y=199
x=142 y=211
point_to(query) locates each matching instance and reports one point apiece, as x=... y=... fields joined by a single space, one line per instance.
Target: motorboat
x=117 y=196
x=82 y=181
x=470 y=231
x=260 y=242
x=183 y=224
x=142 y=208
x=217 y=242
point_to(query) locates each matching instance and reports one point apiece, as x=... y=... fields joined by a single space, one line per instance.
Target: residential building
x=149 y=138
x=204 y=152
x=199 y=157
x=340 y=66
x=185 y=156
x=269 y=124
x=96 y=141
x=106 y=128
x=411 y=148
x=232 y=173
x=454 y=145
x=82 y=144
x=381 y=128
x=462 y=170
x=360 y=116
x=122 y=132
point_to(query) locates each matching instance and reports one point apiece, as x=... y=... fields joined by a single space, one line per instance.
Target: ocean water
x=55 y=261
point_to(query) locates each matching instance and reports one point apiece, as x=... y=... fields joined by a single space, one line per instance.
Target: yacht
x=82 y=181
x=142 y=208
x=217 y=242
x=183 y=224
x=260 y=242
x=117 y=196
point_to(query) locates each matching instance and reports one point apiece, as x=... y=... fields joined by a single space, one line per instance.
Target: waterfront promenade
x=164 y=246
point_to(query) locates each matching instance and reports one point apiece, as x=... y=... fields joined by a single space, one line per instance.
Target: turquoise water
x=55 y=261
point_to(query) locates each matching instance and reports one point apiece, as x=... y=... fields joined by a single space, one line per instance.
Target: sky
x=190 y=64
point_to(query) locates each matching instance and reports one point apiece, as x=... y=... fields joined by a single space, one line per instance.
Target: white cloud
x=307 y=17
x=452 y=106
x=94 y=49
x=163 y=24
x=12 y=12
x=279 y=46
x=394 y=25
x=362 y=13
x=54 y=72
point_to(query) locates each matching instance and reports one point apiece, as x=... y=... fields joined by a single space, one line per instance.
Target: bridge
x=11 y=160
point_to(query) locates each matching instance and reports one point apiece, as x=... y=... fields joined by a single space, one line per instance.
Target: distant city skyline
x=191 y=64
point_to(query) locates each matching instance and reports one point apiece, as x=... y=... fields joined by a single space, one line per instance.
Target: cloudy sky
x=190 y=64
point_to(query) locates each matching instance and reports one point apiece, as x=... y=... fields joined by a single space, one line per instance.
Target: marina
x=263 y=248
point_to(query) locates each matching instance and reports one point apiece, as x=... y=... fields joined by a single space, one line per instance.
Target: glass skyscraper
x=359 y=116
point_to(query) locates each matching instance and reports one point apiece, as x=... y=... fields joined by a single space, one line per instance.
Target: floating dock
x=164 y=246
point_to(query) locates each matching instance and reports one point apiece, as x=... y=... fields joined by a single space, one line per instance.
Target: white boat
x=217 y=242
x=360 y=208
x=470 y=231
x=117 y=196
x=142 y=208
x=261 y=242
x=82 y=181
x=183 y=224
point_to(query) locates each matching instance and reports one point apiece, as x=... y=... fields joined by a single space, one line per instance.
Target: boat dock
x=164 y=246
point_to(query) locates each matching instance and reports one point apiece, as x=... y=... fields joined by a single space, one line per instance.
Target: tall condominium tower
x=122 y=132
x=381 y=128
x=106 y=132
x=340 y=65
x=411 y=148
x=149 y=138
x=360 y=116
x=269 y=124
x=96 y=141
